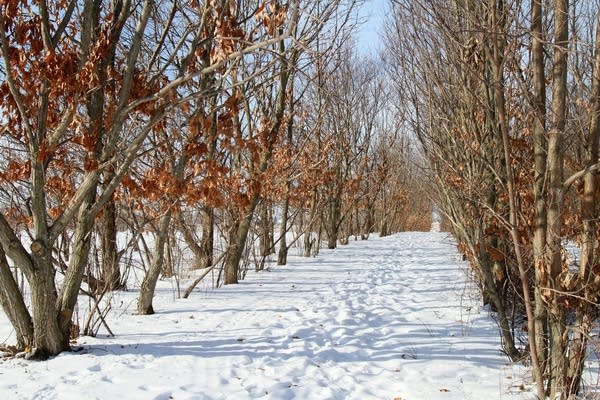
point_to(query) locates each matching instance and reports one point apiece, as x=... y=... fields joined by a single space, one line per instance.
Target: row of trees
x=202 y=125
x=504 y=97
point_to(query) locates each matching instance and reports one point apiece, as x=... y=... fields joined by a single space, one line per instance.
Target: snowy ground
x=389 y=318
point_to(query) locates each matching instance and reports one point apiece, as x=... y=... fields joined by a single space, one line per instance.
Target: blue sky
x=368 y=38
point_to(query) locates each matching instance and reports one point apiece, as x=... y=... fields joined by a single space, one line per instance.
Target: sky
x=368 y=36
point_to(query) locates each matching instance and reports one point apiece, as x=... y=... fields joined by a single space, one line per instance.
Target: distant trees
x=364 y=161
x=503 y=98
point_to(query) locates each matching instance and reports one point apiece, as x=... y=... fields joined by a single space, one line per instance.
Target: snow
x=387 y=318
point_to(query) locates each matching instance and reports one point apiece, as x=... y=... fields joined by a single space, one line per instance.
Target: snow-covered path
x=388 y=318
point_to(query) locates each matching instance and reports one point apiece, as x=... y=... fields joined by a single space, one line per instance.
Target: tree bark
x=111 y=275
x=333 y=222
x=539 y=192
x=265 y=230
x=283 y=248
x=497 y=299
x=190 y=241
x=78 y=261
x=553 y=259
x=13 y=305
x=308 y=240
x=237 y=241
x=203 y=252
x=144 y=305
x=587 y=312
x=49 y=338
x=208 y=236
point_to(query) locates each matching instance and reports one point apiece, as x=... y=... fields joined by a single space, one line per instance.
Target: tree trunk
x=587 y=312
x=239 y=236
x=237 y=241
x=203 y=252
x=144 y=306
x=78 y=261
x=85 y=221
x=208 y=236
x=578 y=350
x=265 y=230
x=190 y=241
x=553 y=262
x=333 y=222
x=539 y=148
x=13 y=305
x=308 y=231
x=384 y=227
x=111 y=275
x=308 y=243
x=558 y=354
x=500 y=109
x=369 y=223
x=48 y=337
x=497 y=300
x=169 y=264
x=283 y=248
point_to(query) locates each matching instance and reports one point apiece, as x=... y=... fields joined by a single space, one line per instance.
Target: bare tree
x=506 y=145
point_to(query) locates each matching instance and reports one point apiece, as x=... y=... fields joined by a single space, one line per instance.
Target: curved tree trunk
x=497 y=299
x=78 y=261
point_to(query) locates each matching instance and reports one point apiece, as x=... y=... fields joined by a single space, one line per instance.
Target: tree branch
x=14 y=91
x=205 y=71
x=579 y=174
x=14 y=248
x=64 y=22
x=45 y=26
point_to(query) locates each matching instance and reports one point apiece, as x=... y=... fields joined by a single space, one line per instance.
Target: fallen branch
x=188 y=291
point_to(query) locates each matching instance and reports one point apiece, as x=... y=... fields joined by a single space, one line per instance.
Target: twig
x=571 y=294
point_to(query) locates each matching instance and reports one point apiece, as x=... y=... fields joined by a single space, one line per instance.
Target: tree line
x=222 y=129
x=504 y=97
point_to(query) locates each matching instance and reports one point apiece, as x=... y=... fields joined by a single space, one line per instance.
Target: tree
x=265 y=114
x=447 y=81
x=501 y=122
x=79 y=109
x=57 y=109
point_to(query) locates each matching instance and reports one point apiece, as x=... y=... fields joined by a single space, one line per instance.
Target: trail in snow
x=388 y=318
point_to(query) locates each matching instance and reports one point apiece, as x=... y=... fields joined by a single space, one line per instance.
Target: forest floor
x=388 y=318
